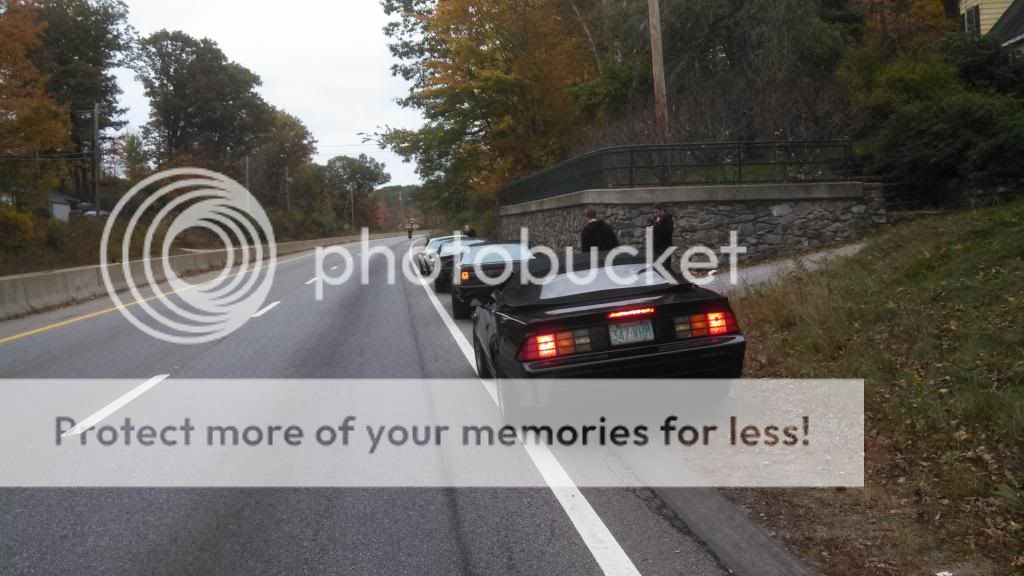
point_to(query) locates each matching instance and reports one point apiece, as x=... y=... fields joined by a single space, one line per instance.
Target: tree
x=132 y=158
x=286 y=143
x=31 y=121
x=397 y=204
x=202 y=105
x=84 y=40
x=351 y=180
x=493 y=79
x=735 y=70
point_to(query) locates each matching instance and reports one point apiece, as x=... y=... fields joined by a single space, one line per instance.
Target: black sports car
x=444 y=259
x=489 y=258
x=621 y=323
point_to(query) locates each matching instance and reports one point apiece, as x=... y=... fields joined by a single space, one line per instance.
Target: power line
x=63 y=156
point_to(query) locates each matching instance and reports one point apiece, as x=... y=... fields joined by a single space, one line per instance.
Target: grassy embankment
x=931 y=315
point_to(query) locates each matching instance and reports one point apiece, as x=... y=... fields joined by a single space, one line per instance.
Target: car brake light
x=544 y=346
x=716 y=323
x=630 y=313
x=710 y=324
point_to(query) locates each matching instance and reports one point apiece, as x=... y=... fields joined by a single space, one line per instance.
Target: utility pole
x=352 y=201
x=96 y=157
x=248 y=188
x=287 y=191
x=658 y=63
x=401 y=205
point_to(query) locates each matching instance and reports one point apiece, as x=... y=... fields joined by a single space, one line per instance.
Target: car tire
x=481 y=363
x=440 y=285
x=460 y=309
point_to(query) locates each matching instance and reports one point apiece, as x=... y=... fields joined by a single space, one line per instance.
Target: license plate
x=631 y=332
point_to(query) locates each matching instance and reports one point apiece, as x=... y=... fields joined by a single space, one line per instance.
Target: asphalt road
x=357 y=331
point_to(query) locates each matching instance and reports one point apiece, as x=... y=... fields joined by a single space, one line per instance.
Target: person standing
x=597 y=234
x=662 y=226
x=468 y=231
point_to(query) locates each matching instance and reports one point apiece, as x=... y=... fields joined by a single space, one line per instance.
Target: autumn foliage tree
x=493 y=79
x=31 y=121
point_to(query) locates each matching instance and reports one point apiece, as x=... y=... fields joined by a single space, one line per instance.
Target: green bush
x=955 y=135
x=17 y=230
x=56 y=235
x=983 y=64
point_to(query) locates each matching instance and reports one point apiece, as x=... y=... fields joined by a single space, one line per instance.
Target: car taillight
x=710 y=324
x=631 y=313
x=544 y=346
x=464 y=276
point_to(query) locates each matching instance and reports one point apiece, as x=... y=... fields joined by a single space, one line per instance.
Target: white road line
x=115 y=405
x=313 y=279
x=609 y=555
x=333 y=268
x=266 y=309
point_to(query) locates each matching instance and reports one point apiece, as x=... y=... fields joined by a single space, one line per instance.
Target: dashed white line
x=333 y=268
x=266 y=309
x=115 y=405
x=313 y=279
x=599 y=540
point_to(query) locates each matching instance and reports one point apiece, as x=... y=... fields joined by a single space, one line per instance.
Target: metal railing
x=656 y=165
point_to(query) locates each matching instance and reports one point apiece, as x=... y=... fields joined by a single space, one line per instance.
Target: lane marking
x=115 y=405
x=335 y=267
x=49 y=327
x=267 y=308
x=606 y=550
x=313 y=279
x=89 y=315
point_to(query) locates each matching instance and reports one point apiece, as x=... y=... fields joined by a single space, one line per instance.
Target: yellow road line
x=49 y=327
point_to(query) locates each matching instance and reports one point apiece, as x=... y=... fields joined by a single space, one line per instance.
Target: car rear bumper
x=468 y=293
x=715 y=357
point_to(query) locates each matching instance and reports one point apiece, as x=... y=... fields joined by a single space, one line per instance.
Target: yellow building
x=979 y=16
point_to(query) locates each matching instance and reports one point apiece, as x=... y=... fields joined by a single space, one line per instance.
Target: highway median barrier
x=25 y=294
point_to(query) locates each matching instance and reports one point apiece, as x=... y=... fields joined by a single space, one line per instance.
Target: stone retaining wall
x=771 y=220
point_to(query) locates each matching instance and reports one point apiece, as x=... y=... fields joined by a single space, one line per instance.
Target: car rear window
x=453 y=247
x=625 y=276
x=633 y=280
x=437 y=242
x=496 y=253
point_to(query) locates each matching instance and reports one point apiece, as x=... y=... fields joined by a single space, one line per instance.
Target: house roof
x=1009 y=29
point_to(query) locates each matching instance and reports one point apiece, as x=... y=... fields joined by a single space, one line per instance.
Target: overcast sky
x=325 y=61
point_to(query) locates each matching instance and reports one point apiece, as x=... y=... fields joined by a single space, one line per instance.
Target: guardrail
x=656 y=165
x=35 y=292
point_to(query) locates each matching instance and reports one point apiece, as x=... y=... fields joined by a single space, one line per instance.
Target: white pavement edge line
x=115 y=405
x=606 y=550
x=266 y=309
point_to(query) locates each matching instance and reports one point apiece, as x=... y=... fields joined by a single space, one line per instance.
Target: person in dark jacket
x=662 y=224
x=597 y=234
x=468 y=231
